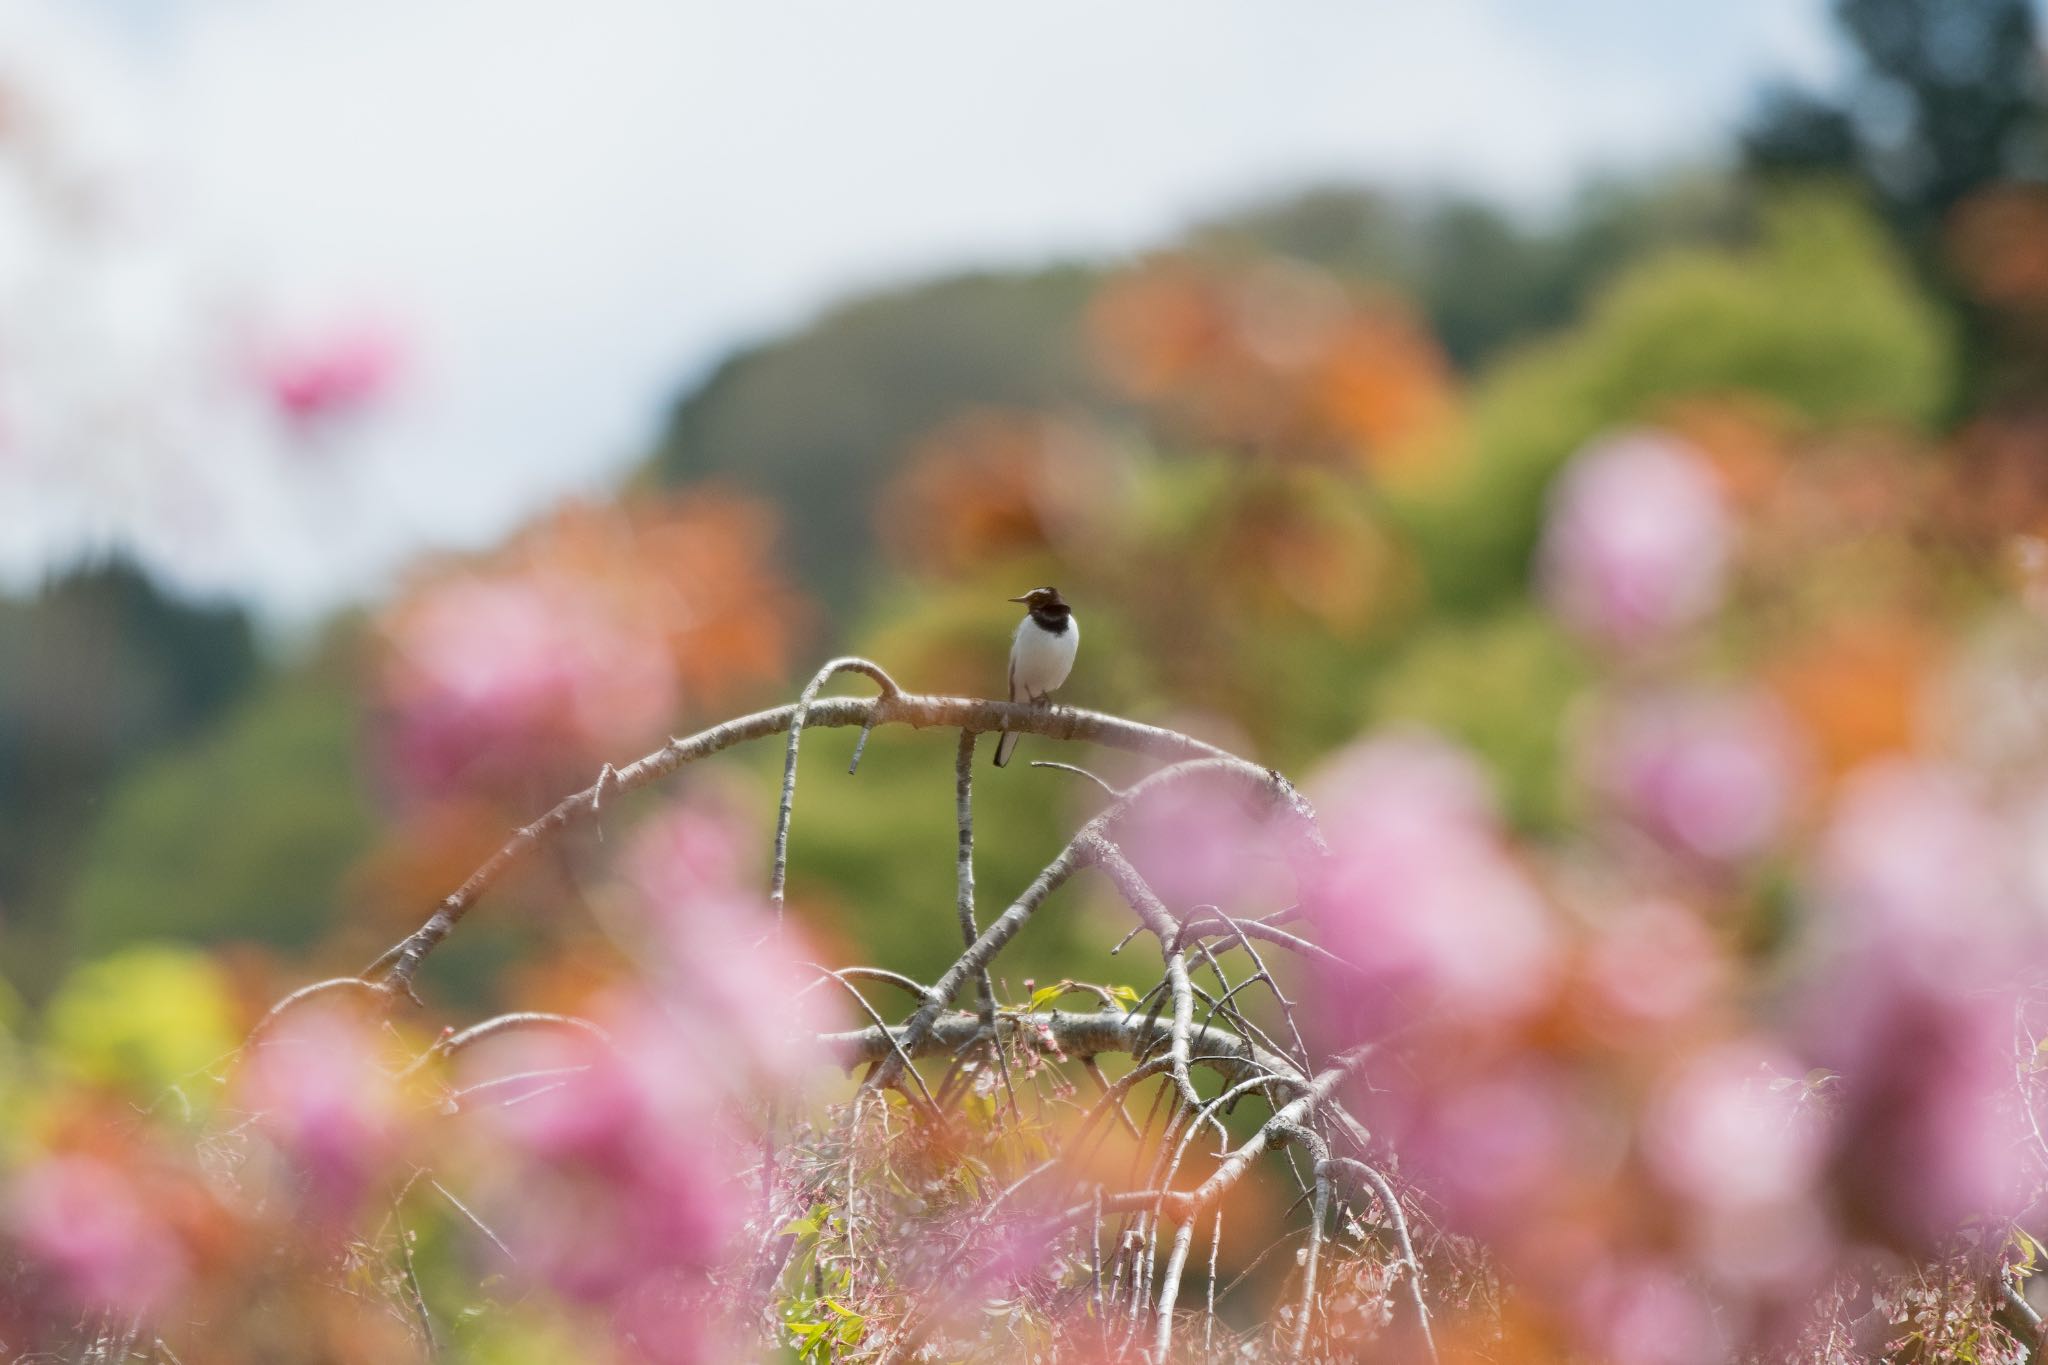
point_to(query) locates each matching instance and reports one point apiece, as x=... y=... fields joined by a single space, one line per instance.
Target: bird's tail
x=1006 y=742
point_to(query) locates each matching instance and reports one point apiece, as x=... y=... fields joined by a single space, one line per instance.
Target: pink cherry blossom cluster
x=1638 y=540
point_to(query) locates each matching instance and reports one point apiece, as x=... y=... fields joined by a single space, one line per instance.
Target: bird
x=1041 y=654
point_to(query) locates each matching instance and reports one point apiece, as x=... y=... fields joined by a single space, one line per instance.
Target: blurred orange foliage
x=585 y=638
x=1998 y=242
x=1857 y=687
x=1279 y=360
x=1746 y=438
x=992 y=484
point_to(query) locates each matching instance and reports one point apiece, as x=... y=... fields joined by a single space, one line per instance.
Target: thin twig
x=1215 y=1244
x=1169 y=1289
x=1319 y=1212
x=896 y=1052
x=305 y=993
x=787 y=808
x=1112 y=792
x=1380 y=1186
x=419 y=1298
x=1089 y=845
x=1094 y=1070
x=543 y=1078
x=470 y=1214
x=963 y=876
x=518 y=1021
x=882 y=974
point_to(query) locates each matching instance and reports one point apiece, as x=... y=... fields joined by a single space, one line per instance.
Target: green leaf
x=2029 y=1249
x=1045 y=995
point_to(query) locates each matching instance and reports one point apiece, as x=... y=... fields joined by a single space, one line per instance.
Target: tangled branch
x=1161 y=1041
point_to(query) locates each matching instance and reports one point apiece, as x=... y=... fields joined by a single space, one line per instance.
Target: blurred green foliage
x=871 y=855
x=1820 y=315
x=513 y=1334
x=1944 y=101
x=1502 y=687
x=98 y=671
x=245 y=832
x=1484 y=278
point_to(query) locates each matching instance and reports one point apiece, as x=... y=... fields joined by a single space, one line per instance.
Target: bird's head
x=1044 y=600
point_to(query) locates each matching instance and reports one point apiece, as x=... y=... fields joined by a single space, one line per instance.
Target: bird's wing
x=1005 y=741
x=1013 y=665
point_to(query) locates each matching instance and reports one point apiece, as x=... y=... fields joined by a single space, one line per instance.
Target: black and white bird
x=1041 y=654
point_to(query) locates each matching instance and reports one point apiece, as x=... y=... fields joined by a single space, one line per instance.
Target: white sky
x=574 y=206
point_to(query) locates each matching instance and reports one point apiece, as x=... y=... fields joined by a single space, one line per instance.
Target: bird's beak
x=1025 y=598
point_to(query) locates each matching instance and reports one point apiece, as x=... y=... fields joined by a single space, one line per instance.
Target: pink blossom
x=595 y=1237
x=623 y=1187
x=725 y=973
x=1492 y=1147
x=1653 y=963
x=1645 y=1312
x=1637 y=540
x=1709 y=775
x=2028 y=824
x=322 y=1095
x=330 y=374
x=1199 y=844
x=1929 y=1136
x=1923 y=934
x=1420 y=896
x=496 y=677
x=1913 y=858
x=1407 y=777
x=1729 y=1129
x=698 y=848
x=84 y=1221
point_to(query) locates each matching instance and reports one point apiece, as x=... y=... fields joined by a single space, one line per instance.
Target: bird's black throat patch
x=1053 y=619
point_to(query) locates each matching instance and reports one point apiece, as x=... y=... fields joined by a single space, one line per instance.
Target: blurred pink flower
x=1653 y=963
x=1710 y=775
x=1729 y=1130
x=323 y=1096
x=1637 y=540
x=623 y=1184
x=1913 y=858
x=1198 y=844
x=1493 y=1147
x=725 y=973
x=1645 y=1312
x=1929 y=1134
x=496 y=677
x=699 y=848
x=84 y=1221
x=2028 y=823
x=1924 y=937
x=333 y=373
x=1411 y=776
x=1420 y=896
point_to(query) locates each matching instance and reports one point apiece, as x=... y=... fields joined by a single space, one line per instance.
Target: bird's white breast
x=1042 y=659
